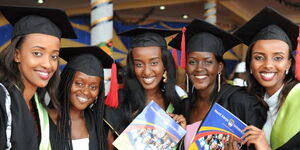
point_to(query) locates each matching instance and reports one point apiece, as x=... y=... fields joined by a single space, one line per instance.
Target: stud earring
x=287 y=71
x=251 y=71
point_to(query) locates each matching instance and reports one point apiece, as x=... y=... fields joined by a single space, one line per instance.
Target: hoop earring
x=165 y=76
x=287 y=71
x=187 y=83
x=219 y=81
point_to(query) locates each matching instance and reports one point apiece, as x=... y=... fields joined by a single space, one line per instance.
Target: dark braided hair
x=63 y=140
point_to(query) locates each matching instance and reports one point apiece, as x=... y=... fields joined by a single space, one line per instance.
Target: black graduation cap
x=144 y=37
x=205 y=37
x=48 y=21
x=86 y=59
x=269 y=24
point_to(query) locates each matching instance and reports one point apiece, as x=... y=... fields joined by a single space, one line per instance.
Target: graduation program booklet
x=152 y=129
x=214 y=131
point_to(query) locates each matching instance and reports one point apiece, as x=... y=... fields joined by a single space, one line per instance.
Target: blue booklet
x=152 y=129
x=214 y=131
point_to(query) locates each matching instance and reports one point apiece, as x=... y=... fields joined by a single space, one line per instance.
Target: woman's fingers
x=251 y=127
x=256 y=136
x=180 y=119
x=231 y=144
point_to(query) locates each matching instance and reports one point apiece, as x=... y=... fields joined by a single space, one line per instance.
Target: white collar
x=274 y=99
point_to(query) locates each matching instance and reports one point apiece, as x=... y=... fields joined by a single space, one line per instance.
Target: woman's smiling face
x=37 y=59
x=84 y=90
x=269 y=61
x=148 y=66
x=202 y=69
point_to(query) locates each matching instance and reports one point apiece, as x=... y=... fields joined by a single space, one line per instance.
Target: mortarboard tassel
x=175 y=57
x=298 y=58
x=182 y=62
x=112 y=96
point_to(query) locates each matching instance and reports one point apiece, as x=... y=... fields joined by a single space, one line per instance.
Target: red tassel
x=182 y=62
x=175 y=57
x=112 y=96
x=298 y=58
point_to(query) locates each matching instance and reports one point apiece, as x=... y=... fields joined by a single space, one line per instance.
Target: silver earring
x=287 y=71
x=251 y=71
x=187 y=82
x=219 y=81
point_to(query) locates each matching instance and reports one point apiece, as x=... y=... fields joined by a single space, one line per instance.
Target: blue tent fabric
x=83 y=36
x=81 y=19
x=6 y=33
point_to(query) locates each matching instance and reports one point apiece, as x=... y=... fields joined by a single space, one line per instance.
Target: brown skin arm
x=110 y=140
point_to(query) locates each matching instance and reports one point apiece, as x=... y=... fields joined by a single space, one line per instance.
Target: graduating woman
x=270 y=69
x=28 y=69
x=150 y=76
x=206 y=45
x=79 y=123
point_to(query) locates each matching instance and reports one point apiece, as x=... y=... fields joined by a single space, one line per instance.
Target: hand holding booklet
x=152 y=129
x=214 y=131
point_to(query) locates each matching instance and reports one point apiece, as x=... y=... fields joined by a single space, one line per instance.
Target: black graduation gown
x=240 y=103
x=258 y=116
x=24 y=132
x=244 y=106
x=90 y=123
x=115 y=118
x=292 y=144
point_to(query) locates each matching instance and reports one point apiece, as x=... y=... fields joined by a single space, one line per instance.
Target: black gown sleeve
x=244 y=106
x=292 y=144
x=115 y=118
x=23 y=134
x=3 y=119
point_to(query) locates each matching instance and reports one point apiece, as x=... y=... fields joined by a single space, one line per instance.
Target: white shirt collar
x=274 y=99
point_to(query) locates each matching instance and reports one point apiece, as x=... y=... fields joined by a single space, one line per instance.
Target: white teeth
x=268 y=75
x=200 y=77
x=149 y=80
x=82 y=99
x=43 y=73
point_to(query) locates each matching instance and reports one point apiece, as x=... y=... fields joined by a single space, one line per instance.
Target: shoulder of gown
x=114 y=118
x=23 y=135
x=243 y=105
x=292 y=144
x=3 y=119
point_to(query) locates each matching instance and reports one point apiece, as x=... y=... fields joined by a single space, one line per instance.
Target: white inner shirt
x=273 y=103
x=80 y=144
